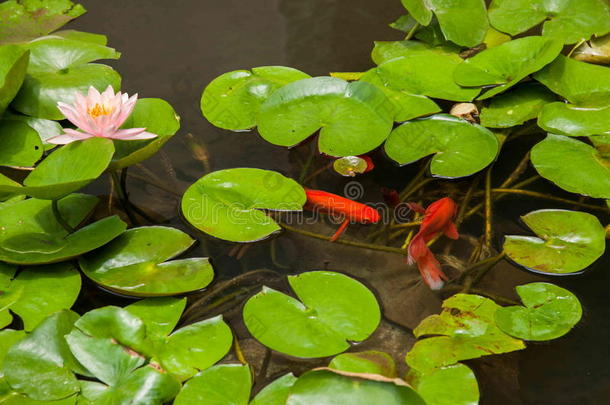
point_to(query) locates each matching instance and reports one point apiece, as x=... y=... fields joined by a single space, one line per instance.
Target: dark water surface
x=172 y=49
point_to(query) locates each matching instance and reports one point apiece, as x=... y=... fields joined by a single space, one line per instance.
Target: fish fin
x=340 y=231
x=416 y=249
x=451 y=231
x=431 y=273
x=417 y=208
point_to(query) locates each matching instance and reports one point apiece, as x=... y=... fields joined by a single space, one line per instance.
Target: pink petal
x=75 y=117
x=126 y=110
x=132 y=134
x=68 y=137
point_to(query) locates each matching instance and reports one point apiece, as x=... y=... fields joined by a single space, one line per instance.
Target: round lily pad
x=451 y=385
x=59 y=68
x=569 y=20
x=567 y=242
x=507 y=64
x=138 y=263
x=323 y=387
x=549 y=312
x=459 y=148
x=369 y=362
x=573 y=165
x=580 y=83
x=67 y=169
x=228 y=204
x=275 y=393
x=570 y=120
x=160 y=315
x=384 y=51
x=225 y=384
x=45 y=128
x=333 y=310
x=353 y=117
x=21 y=145
x=233 y=99
x=158 y=117
x=515 y=107
x=349 y=166
x=13 y=65
x=31 y=234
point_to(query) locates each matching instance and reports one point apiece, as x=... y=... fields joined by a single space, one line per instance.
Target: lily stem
x=488 y=210
x=548 y=197
x=119 y=185
x=60 y=220
x=412 y=32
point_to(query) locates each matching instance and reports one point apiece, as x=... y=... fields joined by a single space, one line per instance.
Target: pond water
x=173 y=49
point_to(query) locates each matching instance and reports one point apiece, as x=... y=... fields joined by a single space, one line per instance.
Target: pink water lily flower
x=100 y=115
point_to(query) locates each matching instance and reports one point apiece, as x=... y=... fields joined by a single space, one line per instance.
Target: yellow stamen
x=98 y=110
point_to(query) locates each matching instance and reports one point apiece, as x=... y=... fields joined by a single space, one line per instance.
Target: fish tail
x=430 y=270
x=417 y=249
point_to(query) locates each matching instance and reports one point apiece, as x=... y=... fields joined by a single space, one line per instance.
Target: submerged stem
x=60 y=220
x=488 y=210
x=548 y=197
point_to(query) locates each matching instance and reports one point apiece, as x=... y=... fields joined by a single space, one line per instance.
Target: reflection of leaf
x=464 y=330
x=567 y=242
x=549 y=312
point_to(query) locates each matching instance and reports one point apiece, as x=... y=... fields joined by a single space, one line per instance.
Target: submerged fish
x=334 y=204
x=438 y=218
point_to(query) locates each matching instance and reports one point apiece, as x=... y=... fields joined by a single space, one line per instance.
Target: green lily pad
x=158 y=117
x=369 y=362
x=580 y=83
x=549 y=312
x=353 y=117
x=567 y=242
x=464 y=330
x=459 y=148
x=506 y=65
x=323 y=387
x=464 y=23
x=597 y=50
x=275 y=393
x=427 y=72
x=567 y=119
x=233 y=99
x=22 y=20
x=8 y=338
x=451 y=385
x=160 y=315
x=31 y=234
x=334 y=310
x=384 y=51
x=225 y=384
x=13 y=65
x=66 y=169
x=228 y=204
x=573 y=165
x=59 y=68
x=138 y=263
x=522 y=104
x=350 y=166
x=39 y=365
x=21 y=145
x=45 y=128
x=406 y=106
x=569 y=20
x=35 y=290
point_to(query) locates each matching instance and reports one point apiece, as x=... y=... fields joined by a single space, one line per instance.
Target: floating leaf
x=572 y=165
x=464 y=330
x=138 y=263
x=13 y=65
x=59 y=68
x=369 y=362
x=275 y=393
x=353 y=117
x=459 y=148
x=569 y=20
x=225 y=384
x=228 y=204
x=568 y=242
x=233 y=99
x=463 y=22
x=333 y=310
x=406 y=106
x=451 y=385
x=31 y=235
x=549 y=312
x=160 y=315
x=22 y=20
x=427 y=72
x=46 y=128
x=38 y=365
x=507 y=64
x=8 y=337
x=349 y=166
x=38 y=287
x=580 y=83
x=323 y=387
x=21 y=145
x=566 y=119
x=516 y=107
x=158 y=117
x=384 y=51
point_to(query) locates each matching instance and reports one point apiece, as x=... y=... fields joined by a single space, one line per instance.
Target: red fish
x=438 y=218
x=334 y=204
